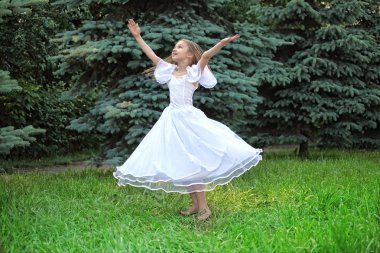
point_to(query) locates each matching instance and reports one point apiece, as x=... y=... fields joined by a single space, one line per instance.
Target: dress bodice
x=181 y=91
x=182 y=88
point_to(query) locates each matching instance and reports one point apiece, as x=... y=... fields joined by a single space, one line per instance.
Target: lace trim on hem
x=170 y=186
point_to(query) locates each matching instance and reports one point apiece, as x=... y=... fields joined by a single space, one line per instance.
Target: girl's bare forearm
x=214 y=50
x=206 y=56
x=147 y=50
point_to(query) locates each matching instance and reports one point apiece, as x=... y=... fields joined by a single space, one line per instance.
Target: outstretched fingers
x=229 y=39
x=131 y=23
x=233 y=38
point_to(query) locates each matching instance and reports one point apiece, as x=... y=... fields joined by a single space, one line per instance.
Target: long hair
x=194 y=48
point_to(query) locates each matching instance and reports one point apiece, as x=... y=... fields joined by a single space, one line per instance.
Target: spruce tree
x=368 y=134
x=102 y=54
x=319 y=90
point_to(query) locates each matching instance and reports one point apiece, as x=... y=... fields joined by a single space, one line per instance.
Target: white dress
x=185 y=151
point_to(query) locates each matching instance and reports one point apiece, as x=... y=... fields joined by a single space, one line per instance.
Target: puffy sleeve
x=163 y=71
x=205 y=78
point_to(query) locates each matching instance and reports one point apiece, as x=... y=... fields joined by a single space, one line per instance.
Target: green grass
x=329 y=203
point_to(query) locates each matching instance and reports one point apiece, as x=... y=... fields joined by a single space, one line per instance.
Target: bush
x=44 y=109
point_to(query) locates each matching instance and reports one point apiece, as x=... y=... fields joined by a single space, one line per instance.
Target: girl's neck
x=181 y=66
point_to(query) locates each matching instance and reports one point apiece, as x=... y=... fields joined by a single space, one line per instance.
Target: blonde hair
x=194 y=48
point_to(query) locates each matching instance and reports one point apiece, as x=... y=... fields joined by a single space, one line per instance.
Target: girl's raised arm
x=206 y=56
x=135 y=30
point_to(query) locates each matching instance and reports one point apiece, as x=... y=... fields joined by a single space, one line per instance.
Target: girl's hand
x=206 y=56
x=134 y=28
x=229 y=39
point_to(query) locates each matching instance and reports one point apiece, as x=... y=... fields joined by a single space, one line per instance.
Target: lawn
x=328 y=203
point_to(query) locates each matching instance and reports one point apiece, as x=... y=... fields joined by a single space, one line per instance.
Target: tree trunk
x=304 y=150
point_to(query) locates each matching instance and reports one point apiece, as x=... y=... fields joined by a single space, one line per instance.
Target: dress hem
x=170 y=186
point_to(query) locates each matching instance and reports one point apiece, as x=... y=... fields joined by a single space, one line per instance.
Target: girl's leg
x=204 y=210
x=194 y=207
x=194 y=200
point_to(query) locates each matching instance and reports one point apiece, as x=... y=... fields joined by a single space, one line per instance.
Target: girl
x=185 y=151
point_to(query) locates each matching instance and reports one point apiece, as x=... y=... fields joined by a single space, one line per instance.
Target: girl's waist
x=180 y=105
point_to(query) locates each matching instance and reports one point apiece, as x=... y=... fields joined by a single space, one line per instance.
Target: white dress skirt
x=185 y=151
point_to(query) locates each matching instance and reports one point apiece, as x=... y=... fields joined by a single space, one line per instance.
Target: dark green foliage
x=25 y=33
x=44 y=108
x=9 y=8
x=26 y=27
x=10 y=137
x=103 y=53
x=321 y=91
x=234 y=11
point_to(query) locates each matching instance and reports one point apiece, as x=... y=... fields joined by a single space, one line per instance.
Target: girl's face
x=181 y=52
